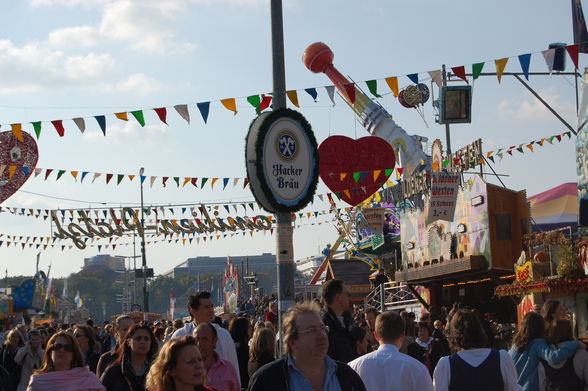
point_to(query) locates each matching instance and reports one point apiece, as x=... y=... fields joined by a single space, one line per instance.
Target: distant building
x=308 y=265
x=216 y=265
x=115 y=262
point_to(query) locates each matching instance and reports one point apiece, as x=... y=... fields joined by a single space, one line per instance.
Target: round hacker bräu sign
x=282 y=160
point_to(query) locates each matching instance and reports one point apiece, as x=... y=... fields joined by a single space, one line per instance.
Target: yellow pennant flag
x=213 y=182
x=500 y=65
x=123 y=116
x=131 y=177
x=17 y=131
x=11 y=171
x=393 y=84
x=377 y=196
x=74 y=174
x=293 y=96
x=186 y=180
x=530 y=146
x=230 y=104
x=347 y=193
x=376 y=174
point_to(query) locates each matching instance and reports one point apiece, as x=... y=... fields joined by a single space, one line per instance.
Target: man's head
x=337 y=296
x=370 y=317
x=304 y=332
x=200 y=307
x=34 y=339
x=390 y=328
x=273 y=307
x=122 y=324
x=206 y=338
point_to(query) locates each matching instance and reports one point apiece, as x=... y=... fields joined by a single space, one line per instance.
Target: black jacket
x=341 y=344
x=274 y=376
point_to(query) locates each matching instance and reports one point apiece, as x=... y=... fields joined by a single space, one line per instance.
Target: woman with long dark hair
x=135 y=355
x=86 y=338
x=553 y=310
x=240 y=330
x=64 y=368
x=529 y=347
x=14 y=341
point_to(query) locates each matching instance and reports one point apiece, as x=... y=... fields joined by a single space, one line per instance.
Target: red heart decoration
x=343 y=155
x=14 y=155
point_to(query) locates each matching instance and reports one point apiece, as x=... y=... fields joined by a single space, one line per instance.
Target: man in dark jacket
x=337 y=317
x=306 y=364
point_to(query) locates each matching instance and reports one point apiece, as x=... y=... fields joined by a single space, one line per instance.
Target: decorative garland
x=567 y=286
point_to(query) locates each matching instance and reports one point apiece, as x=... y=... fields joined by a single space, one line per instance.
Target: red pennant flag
x=460 y=72
x=350 y=90
x=165 y=178
x=265 y=102
x=108 y=177
x=162 y=114
x=194 y=181
x=509 y=152
x=59 y=127
x=245 y=182
x=48 y=172
x=573 y=52
x=400 y=169
x=558 y=137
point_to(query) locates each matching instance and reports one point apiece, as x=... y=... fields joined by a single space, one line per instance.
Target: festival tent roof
x=555 y=208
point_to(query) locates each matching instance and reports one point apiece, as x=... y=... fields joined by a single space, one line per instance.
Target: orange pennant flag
x=17 y=131
x=347 y=193
x=393 y=84
x=230 y=104
x=376 y=174
x=186 y=180
x=293 y=96
x=74 y=174
x=213 y=182
x=131 y=177
x=11 y=171
x=500 y=65
x=123 y=116
x=342 y=176
x=530 y=146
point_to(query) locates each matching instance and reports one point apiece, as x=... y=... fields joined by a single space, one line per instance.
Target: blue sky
x=61 y=59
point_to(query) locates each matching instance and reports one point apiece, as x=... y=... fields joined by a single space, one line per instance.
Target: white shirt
x=388 y=369
x=475 y=357
x=225 y=346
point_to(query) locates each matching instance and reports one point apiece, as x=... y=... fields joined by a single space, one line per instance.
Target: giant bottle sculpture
x=318 y=58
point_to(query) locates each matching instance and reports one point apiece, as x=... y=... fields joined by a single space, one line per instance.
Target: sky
x=62 y=59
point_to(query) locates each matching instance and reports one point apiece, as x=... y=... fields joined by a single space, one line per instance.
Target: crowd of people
x=332 y=345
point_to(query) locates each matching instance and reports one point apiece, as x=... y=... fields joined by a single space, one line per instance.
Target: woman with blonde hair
x=262 y=349
x=178 y=367
x=14 y=341
x=63 y=368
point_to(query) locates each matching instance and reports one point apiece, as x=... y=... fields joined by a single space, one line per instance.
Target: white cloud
x=123 y=132
x=84 y=36
x=137 y=83
x=527 y=107
x=65 y=3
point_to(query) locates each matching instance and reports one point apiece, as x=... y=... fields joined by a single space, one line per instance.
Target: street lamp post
x=143 y=255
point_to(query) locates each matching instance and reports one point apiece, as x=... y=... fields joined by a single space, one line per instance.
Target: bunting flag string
x=500 y=152
x=262 y=101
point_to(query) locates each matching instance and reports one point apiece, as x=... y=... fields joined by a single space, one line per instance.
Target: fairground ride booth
x=355 y=273
x=465 y=259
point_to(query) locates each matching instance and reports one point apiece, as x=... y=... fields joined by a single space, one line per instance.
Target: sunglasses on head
x=67 y=347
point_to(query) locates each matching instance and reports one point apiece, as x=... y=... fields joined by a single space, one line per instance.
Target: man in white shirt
x=387 y=368
x=202 y=311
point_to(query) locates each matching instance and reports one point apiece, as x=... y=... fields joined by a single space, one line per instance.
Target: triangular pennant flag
x=573 y=51
x=204 y=108
x=131 y=177
x=74 y=174
x=225 y=182
x=312 y=92
x=48 y=172
x=350 y=91
x=549 y=56
x=558 y=137
x=293 y=96
x=437 y=77
x=356 y=176
x=346 y=192
x=230 y=104
x=163 y=180
x=152 y=181
x=11 y=171
x=377 y=174
x=213 y=182
x=142 y=177
x=204 y=180
x=245 y=182
x=363 y=176
x=183 y=112
x=235 y=181
x=58 y=127
x=331 y=93
x=373 y=87
x=266 y=101
x=491 y=158
x=37 y=172
x=477 y=69
x=162 y=114
x=525 y=60
x=119 y=178
x=96 y=176
x=138 y=114
x=460 y=72
x=108 y=177
x=500 y=65
x=37 y=128
x=122 y=116
x=177 y=180
x=530 y=146
x=342 y=176
x=81 y=124
x=17 y=131
x=59 y=174
x=186 y=180
x=393 y=84
x=414 y=77
x=520 y=149
x=83 y=176
x=101 y=122
x=254 y=100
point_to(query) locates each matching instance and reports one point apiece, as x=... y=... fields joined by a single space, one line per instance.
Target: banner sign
x=444 y=187
x=524 y=273
x=370 y=225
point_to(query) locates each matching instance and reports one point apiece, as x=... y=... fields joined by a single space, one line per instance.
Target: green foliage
x=568 y=265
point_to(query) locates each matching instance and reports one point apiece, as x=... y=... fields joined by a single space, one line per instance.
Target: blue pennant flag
x=102 y=122
x=414 y=77
x=204 y=108
x=525 y=59
x=312 y=92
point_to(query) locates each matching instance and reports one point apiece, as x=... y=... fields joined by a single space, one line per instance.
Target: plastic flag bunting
x=312 y=92
x=122 y=116
x=414 y=77
x=331 y=93
x=230 y=105
x=138 y=114
x=500 y=65
x=183 y=112
x=59 y=127
x=81 y=124
x=17 y=131
x=37 y=128
x=204 y=108
x=460 y=72
x=393 y=84
x=477 y=69
x=573 y=52
x=373 y=87
x=549 y=56
x=162 y=114
x=101 y=122
x=437 y=77
x=293 y=96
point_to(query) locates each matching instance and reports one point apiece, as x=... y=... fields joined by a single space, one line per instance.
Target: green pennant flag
x=177 y=180
x=59 y=174
x=251 y=206
x=254 y=100
x=356 y=176
x=445 y=163
x=569 y=134
x=119 y=178
x=138 y=114
x=472 y=164
x=37 y=127
x=338 y=194
x=388 y=172
x=203 y=182
x=520 y=149
x=373 y=87
x=477 y=69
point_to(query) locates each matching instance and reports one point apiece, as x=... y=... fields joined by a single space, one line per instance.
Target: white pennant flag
x=549 y=56
x=235 y=181
x=331 y=93
x=96 y=176
x=437 y=77
x=183 y=112
x=152 y=180
x=38 y=171
x=80 y=123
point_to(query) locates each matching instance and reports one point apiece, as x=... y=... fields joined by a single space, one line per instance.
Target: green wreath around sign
x=264 y=127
